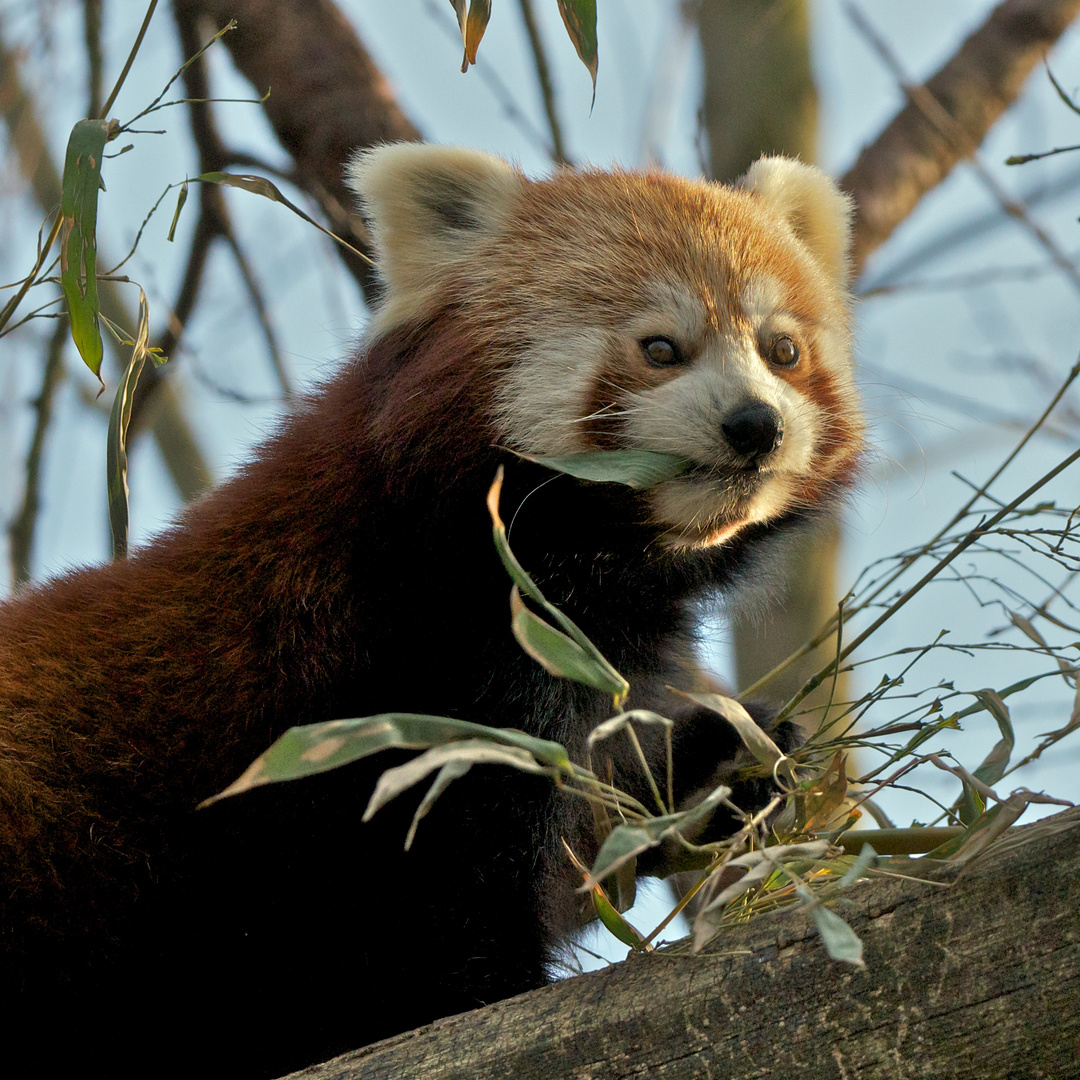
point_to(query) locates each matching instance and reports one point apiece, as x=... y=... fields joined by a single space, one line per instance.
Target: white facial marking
x=539 y=401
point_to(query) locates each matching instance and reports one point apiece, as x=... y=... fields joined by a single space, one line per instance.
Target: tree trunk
x=760 y=98
x=975 y=974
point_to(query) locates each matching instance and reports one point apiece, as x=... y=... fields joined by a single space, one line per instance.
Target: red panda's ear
x=430 y=208
x=817 y=211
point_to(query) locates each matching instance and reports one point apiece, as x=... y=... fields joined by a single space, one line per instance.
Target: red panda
x=348 y=570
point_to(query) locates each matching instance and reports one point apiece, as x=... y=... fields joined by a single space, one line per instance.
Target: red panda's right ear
x=429 y=208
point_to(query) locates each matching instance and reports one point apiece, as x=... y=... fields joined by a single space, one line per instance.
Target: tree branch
x=971 y=974
x=327 y=97
x=913 y=155
x=21 y=529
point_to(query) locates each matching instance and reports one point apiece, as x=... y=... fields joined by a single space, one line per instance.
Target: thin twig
x=262 y=313
x=887 y=580
x=130 y=60
x=973 y=536
x=543 y=76
x=92 y=34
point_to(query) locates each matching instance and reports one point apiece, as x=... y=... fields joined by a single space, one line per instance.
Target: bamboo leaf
x=472 y=20
x=997 y=761
x=754 y=738
x=116 y=460
x=466 y=752
x=315 y=748
x=638 y=469
x=78 y=236
x=559 y=654
x=607 y=911
x=579 y=18
x=628 y=841
x=614 y=922
x=181 y=199
x=840 y=940
x=530 y=589
x=259 y=185
x=451 y=771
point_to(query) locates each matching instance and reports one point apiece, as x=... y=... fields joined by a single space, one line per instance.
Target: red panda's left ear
x=817 y=211
x=430 y=209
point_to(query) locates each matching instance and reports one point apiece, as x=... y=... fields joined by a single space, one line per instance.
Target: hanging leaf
x=616 y=923
x=451 y=771
x=78 y=236
x=840 y=940
x=465 y=752
x=259 y=185
x=579 y=18
x=530 y=589
x=472 y=25
x=181 y=199
x=638 y=469
x=997 y=761
x=116 y=460
x=608 y=912
x=754 y=738
x=315 y=748
x=557 y=653
x=628 y=841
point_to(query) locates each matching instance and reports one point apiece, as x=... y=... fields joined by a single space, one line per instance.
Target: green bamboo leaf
x=579 y=18
x=557 y=653
x=997 y=761
x=530 y=589
x=638 y=469
x=116 y=460
x=451 y=771
x=180 y=200
x=754 y=738
x=627 y=841
x=472 y=20
x=309 y=749
x=259 y=185
x=465 y=752
x=615 y=923
x=78 y=236
x=859 y=867
x=840 y=940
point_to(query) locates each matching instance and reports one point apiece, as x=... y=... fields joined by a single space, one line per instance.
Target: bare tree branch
x=21 y=529
x=327 y=97
x=913 y=155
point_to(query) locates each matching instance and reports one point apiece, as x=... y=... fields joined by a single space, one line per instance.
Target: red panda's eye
x=784 y=352
x=661 y=352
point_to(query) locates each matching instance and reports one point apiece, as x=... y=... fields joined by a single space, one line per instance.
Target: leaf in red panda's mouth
x=638 y=469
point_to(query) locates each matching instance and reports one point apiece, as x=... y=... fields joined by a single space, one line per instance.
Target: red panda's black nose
x=754 y=430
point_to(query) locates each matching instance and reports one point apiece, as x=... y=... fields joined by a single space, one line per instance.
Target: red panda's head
x=639 y=310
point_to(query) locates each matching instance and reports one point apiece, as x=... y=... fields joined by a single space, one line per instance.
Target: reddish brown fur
x=348 y=570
